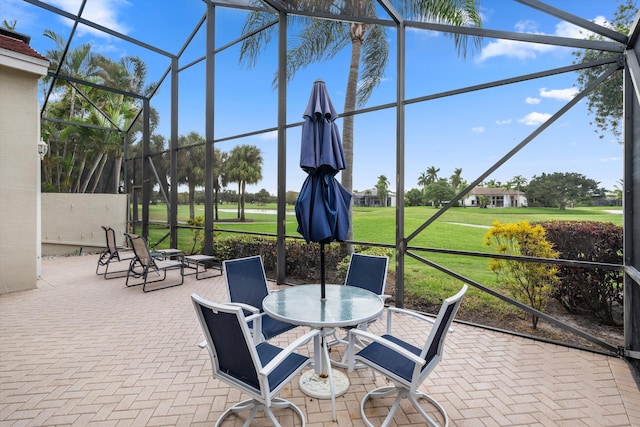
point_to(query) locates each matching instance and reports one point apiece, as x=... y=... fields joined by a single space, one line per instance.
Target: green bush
x=589 y=291
x=302 y=260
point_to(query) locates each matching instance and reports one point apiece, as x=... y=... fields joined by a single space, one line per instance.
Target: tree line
x=557 y=189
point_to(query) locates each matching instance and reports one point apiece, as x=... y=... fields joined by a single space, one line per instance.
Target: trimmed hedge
x=590 y=291
x=303 y=259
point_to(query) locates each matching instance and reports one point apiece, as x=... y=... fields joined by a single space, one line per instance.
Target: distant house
x=494 y=198
x=370 y=198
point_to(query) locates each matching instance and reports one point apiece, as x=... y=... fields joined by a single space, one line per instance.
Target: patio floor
x=81 y=350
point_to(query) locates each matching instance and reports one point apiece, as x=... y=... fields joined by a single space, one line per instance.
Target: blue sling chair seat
x=367 y=272
x=260 y=370
x=406 y=365
x=247 y=287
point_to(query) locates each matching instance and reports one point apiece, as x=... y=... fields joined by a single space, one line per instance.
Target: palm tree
x=518 y=182
x=383 y=189
x=219 y=176
x=423 y=180
x=244 y=166
x=432 y=174
x=456 y=179
x=191 y=165
x=322 y=39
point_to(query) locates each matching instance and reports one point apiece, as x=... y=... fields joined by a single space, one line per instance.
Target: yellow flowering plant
x=528 y=282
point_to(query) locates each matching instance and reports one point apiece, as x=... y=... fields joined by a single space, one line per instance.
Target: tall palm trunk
x=192 y=199
x=94 y=166
x=357 y=32
x=98 y=176
x=243 y=186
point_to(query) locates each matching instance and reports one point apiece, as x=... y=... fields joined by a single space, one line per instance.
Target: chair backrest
x=140 y=249
x=111 y=239
x=368 y=272
x=246 y=281
x=233 y=355
x=432 y=351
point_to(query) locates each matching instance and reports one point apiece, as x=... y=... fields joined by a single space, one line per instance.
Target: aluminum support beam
x=631 y=205
x=401 y=243
x=281 y=230
x=209 y=158
x=146 y=185
x=173 y=157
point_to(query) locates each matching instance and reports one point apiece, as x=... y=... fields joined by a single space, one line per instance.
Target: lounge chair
x=113 y=254
x=145 y=263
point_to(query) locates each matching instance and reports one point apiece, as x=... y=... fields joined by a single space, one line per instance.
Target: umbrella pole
x=322 y=279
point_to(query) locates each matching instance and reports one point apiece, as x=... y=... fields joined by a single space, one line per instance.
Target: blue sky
x=470 y=131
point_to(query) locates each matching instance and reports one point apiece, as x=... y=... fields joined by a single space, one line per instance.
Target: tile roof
x=18 y=43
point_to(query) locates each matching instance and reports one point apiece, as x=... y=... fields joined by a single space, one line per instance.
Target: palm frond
x=319 y=40
x=251 y=47
x=375 y=55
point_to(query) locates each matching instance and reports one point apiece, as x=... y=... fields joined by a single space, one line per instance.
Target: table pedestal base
x=314 y=385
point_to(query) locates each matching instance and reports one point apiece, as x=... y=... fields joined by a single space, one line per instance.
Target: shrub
x=302 y=261
x=198 y=234
x=581 y=290
x=528 y=282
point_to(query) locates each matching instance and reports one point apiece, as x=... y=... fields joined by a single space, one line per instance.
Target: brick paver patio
x=81 y=350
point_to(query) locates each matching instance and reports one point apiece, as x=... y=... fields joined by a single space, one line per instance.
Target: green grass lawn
x=458 y=228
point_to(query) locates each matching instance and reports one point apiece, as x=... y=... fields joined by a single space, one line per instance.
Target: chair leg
x=400 y=393
x=254 y=406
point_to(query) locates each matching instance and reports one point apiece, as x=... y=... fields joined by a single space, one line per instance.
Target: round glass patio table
x=343 y=306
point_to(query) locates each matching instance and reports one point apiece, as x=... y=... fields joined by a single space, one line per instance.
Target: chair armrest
x=419 y=316
x=246 y=307
x=276 y=361
x=382 y=341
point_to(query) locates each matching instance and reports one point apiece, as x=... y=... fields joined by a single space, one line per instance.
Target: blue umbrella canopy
x=321 y=143
x=322 y=208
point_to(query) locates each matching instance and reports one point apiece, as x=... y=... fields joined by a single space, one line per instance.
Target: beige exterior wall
x=72 y=223
x=19 y=167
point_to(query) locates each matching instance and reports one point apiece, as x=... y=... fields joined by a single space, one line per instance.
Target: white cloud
x=104 y=12
x=269 y=136
x=503 y=122
x=477 y=129
x=521 y=50
x=534 y=119
x=560 y=94
x=532 y=101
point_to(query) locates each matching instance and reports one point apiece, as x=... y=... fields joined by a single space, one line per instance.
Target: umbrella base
x=318 y=386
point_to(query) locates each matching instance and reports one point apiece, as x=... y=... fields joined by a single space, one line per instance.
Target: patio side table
x=205 y=262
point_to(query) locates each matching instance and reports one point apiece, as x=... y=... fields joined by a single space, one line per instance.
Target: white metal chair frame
x=419 y=362
x=263 y=398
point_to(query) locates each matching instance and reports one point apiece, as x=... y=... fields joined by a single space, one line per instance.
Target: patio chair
x=367 y=272
x=145 y=263
x=247 y=287
x=259 y=370
x=113 y=253
x=403 y=363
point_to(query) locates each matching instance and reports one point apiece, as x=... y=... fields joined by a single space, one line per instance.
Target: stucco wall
x=19 y=163
x=72 y=223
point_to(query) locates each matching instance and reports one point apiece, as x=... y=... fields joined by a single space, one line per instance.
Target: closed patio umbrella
x=322 y=208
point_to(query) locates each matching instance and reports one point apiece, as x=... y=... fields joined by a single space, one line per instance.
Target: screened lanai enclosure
x=241 y=77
